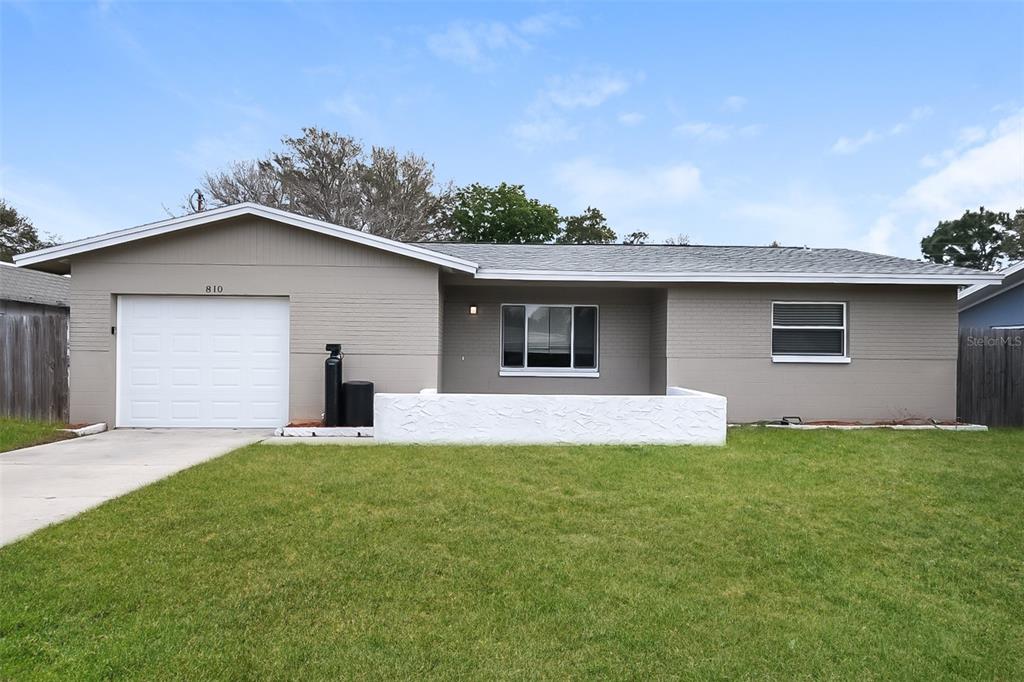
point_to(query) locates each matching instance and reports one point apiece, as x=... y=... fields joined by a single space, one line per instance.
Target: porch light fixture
x=472 y=309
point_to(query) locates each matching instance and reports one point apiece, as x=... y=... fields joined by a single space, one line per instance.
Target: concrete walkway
x=49 y=483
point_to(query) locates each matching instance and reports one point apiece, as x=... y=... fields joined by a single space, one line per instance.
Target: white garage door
x=192 y=361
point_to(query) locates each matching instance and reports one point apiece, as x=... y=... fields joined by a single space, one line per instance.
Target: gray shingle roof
x=658 y=258
x=29 y=286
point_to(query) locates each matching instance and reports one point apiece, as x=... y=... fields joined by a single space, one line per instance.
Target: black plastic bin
x=357 y=403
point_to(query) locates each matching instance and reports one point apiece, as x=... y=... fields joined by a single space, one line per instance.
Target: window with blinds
x=809 y=329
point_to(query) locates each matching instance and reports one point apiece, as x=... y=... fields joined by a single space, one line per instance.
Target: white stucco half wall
x=682 y=417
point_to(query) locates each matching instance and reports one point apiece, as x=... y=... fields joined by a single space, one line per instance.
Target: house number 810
x=214 y=289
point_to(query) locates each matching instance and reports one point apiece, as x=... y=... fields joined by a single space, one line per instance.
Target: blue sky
x=817 y=124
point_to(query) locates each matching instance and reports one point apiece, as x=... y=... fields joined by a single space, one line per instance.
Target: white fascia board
x=971 y=290
x=196 y=219
x=737 y=277
x=989 y=296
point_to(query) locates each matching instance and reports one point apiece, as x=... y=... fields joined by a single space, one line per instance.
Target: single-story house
x=220 y=318
x=994 y=305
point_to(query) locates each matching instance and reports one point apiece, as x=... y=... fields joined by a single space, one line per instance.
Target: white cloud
x=54 y=210
x=345 y=105
x=583 y=89
x=545 y=23
x=631 y=118
x=847 y=145
x=545 y=130
x=920 y=113
x=647 y=198
x=246 y=139
x=990 y=174
x=971 y=135
x=988 y=171
x=545 y=118
x=471 y=44
x=965 y=138
x=802 y=217
x=715 y=132
x=208 y=153
x=851 y=145
x=357 y=111
x=734 y=103
x=591 y=182
x=877 y=240
x=983 y=168
x=475 y=44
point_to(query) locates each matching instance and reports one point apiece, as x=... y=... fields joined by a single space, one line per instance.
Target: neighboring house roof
x=585 y=263
x=665 y=263
x=55 y=257
x=29 y=286
x=1013 y=276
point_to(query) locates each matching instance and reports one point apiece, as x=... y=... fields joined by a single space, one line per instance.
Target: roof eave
x=64 y=251
x=739 y=277
x=973 y=295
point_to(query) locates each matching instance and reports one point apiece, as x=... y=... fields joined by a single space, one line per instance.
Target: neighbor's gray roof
x=29 y=286
x=972 y=296
x=658 y=258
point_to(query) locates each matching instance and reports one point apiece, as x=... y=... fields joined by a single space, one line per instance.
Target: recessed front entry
x=202 y=361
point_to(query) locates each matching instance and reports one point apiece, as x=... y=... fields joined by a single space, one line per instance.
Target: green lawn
x=17 y=433
x=872 y=554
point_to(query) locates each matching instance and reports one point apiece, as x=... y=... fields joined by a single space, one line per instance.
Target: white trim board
x=972 y=290
x=1005 y=272
x=737 y=277
x=196 y=219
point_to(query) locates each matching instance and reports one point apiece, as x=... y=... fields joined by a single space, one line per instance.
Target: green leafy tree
x=637 y=237
x=18 y=234
x=502 y=214
x=589 y=227
x=980 y=239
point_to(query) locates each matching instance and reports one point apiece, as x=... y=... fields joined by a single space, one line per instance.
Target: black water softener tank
x=332 y=386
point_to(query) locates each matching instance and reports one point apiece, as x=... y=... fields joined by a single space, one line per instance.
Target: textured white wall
x=682 y=417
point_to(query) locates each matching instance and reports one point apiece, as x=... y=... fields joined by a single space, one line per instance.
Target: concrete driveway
x=49 y=483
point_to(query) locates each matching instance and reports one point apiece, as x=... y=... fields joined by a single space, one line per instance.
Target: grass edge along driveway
x=871 y=554
x=21 y=433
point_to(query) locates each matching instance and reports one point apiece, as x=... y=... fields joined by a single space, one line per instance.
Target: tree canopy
x=634 y=238
x=502 y=214
x=589 y=227
x=331 y=177
x=980 y=239
x=18 y=234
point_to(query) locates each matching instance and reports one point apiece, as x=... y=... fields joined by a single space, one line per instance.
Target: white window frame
x=841 y=359
x=554 y=372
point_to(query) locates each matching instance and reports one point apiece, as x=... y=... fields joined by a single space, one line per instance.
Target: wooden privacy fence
x=990 y=377
x=34 y=367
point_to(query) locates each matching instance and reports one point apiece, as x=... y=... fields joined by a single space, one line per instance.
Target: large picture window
x=549 y=339
x=809 y=332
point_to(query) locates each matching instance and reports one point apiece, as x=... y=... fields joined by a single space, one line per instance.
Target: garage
x=192 y=361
